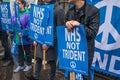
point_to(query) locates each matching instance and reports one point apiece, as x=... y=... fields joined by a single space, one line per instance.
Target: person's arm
x=92 y=28
x=71 y=24
x=25 y=23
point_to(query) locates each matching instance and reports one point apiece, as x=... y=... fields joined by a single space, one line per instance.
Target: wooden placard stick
x=72 y=76
x=44 y=60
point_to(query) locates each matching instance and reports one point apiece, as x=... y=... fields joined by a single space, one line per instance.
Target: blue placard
x=17 y=11
x=107 y=44
x=5 y=16
x=50 y=26
x=38 y=22
x=72 y=50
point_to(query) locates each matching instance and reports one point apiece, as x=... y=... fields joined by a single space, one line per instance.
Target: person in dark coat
x=87 y=15
x=4 y=40
x=51 y=51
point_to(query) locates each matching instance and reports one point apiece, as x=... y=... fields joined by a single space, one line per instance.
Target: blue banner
x=5 y=16
x=107 y=44
x=72 y=50
x=41 y=24
x=38 y=22
x=17 y=11
x=50 y=26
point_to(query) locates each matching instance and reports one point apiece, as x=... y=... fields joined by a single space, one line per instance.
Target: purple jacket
x=24 y=28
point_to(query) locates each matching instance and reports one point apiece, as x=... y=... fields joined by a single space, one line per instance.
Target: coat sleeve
x=24 y=21
x=92 y=27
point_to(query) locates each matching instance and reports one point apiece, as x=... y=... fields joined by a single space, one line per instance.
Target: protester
x=87 y=15
x=4 y=39
x=14 y=48
x=12 y=6
x=21 y=37
x=51 y=51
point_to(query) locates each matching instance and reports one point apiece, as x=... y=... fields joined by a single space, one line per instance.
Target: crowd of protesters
x=80 y=13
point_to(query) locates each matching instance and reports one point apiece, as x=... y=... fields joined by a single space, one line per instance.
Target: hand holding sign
x=45 y=47
x=8 y=32
x=35 y=43
x=71 y=24
x=20 y=35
